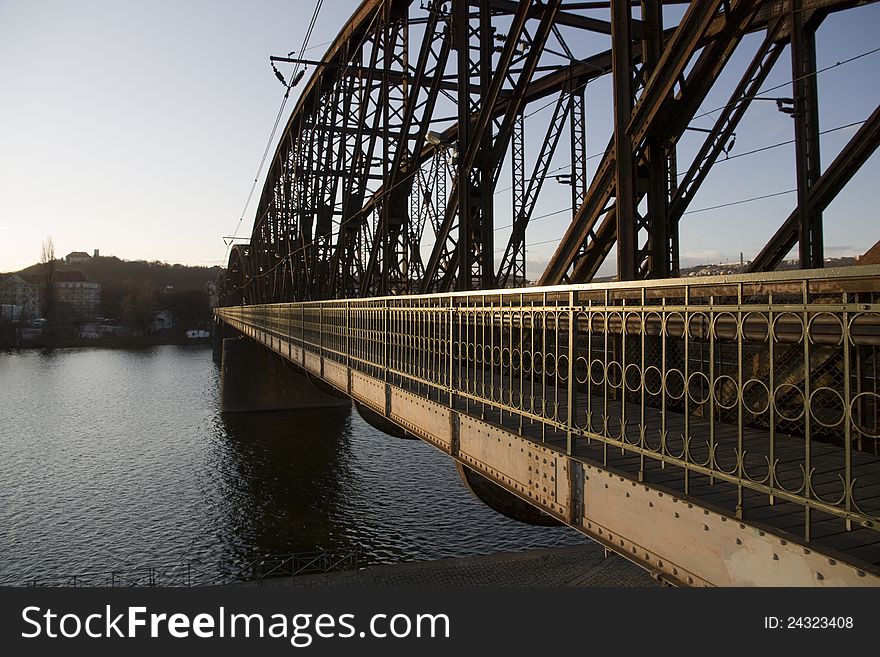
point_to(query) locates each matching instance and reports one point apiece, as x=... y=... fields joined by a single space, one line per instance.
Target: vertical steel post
x=578 y=137
x=461 y=41
x=572 y=346
x=808 y=425
x=450 y=363
x=484 y=277
x=806 y=133
x=518 y=187
x=624 y=171
x=657 y=220
x=847 y=399
x=385 y=340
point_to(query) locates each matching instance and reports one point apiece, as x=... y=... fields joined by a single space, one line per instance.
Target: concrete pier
x=255 y=379
x=219 y=332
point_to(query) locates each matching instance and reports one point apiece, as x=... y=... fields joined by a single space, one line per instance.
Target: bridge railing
x=766 y=382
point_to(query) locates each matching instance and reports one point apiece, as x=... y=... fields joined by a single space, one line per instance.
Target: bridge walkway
x=676 y=390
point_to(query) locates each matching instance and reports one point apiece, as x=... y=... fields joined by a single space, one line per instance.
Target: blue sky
x=136 y=128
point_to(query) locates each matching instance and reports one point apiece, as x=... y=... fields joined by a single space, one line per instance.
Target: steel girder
x=384 y=180
x=822 y=192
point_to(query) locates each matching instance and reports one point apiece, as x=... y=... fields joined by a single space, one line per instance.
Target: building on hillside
x=213 y=294
x=29 y=333
x=75 y=290
x=162 y=320
x=22 y=291
x=89 y=331
x=112 y=329
x=77 y=258
x=9 y=313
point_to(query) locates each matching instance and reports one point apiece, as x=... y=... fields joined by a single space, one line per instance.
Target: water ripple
x=113 y=459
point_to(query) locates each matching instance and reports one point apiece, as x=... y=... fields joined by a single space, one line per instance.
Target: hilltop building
x=77 y=258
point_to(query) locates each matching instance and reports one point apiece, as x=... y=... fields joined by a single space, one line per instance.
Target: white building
x=162 y=321
x=20 y=291
x=77 y=258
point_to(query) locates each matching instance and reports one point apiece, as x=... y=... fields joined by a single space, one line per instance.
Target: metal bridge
x=718 y=430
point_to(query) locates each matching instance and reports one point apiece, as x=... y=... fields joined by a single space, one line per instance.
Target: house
x=21 y=291
x=78 y=292
x=112 y=329
x=162 y=321
x=77 y=258
x=29 y=333
x=88 y=330
x=9 y=312
x=213 y=294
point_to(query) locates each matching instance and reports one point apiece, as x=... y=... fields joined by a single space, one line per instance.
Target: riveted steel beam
x=348 y=179
x=701 y=478
x=847 y=163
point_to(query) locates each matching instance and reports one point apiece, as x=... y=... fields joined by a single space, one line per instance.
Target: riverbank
x=579 y=566
x=105 y=343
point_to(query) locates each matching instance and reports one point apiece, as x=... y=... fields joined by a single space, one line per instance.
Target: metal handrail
x=188 y=574
x=768 y=382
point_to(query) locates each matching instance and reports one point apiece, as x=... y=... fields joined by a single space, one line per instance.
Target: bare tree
x=138 y=306
x=47 y=269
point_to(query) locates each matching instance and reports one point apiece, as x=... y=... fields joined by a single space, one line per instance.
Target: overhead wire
x=341 y=76
x=764 y=92
x=293 y=76
x=760 y=94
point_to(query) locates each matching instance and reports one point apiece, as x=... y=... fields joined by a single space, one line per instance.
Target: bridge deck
x=753 y=398
x=858 y=542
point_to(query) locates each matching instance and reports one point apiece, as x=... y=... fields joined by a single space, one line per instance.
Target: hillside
x=111 y=271
x=133 y=291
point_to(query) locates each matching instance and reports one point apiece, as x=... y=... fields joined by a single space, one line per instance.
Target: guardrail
x=768 y=382
x=201 y=574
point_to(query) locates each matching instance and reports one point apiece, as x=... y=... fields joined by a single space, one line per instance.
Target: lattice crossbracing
x=355 y=179
x=376 y=259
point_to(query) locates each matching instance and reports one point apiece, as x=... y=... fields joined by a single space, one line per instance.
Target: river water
x=120 y=460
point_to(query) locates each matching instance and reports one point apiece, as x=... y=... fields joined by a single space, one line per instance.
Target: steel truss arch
x=386 y=175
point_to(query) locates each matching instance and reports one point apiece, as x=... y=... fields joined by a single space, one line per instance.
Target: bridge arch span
x=393 y=171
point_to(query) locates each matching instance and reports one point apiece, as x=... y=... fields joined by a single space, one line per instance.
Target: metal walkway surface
x=718 y=431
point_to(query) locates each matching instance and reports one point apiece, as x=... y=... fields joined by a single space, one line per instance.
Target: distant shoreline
x=105 y=343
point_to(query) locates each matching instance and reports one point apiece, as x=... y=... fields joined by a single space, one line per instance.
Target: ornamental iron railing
x=197 y=573
x=763 y=386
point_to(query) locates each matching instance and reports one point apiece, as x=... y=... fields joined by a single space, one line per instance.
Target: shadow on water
x=134 y=465
x=325 y=479
x=283 y=476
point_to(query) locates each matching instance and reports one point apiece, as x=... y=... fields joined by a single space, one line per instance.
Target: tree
x=47 y=270
x=138 y=306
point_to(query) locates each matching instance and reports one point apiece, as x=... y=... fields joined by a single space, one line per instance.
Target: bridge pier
x=707 y=430
x=502 y=501
x=382 y=423
x=220 y=331
x=255 y=379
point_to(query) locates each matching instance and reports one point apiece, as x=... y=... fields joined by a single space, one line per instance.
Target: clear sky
x=136 y=127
